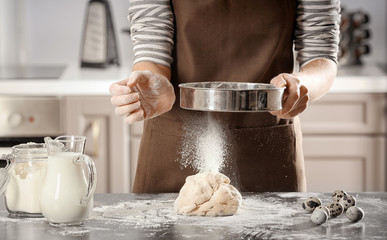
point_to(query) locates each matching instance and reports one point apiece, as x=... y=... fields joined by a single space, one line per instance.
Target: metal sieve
x=230 y=96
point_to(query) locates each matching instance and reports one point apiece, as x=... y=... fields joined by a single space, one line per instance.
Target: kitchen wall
x=53 y=29
x=377 y=9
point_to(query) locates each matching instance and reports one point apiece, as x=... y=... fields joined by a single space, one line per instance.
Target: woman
x=219 y=40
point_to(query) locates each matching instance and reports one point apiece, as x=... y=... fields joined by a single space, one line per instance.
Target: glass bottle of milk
x=26 y=175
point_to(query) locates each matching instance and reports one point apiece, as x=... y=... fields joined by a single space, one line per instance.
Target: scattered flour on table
x=24 y=220
x=204 y=146
x=294 y=194
x=74 y=231
x=155 y=214
x=258 y=215
x=373 y=201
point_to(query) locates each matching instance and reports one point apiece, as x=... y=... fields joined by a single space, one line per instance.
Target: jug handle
x=9 y=159
x=92 y=181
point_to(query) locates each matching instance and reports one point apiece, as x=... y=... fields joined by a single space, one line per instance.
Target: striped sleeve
x=152 y=31
x=317 y=30
x=316 y=33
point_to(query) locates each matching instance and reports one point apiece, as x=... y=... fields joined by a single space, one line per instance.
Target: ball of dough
x=208 y=194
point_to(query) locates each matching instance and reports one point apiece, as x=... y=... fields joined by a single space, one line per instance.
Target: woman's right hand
x=144 y=95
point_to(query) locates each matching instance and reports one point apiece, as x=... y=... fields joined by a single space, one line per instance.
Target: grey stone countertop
x=151 y=216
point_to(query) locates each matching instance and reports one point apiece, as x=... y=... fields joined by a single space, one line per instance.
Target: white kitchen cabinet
x=344 y=143
x=107 y=139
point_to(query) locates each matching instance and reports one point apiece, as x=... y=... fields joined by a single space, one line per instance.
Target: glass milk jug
x=70 y=181
x=26 y=174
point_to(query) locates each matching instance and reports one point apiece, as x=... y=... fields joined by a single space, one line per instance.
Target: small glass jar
x=26 y=176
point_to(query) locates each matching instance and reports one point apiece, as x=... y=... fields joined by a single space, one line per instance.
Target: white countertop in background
x=360 y=79
x=83 y=82
x=74 y=81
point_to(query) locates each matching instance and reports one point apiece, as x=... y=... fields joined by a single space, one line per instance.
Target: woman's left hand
x=296 y=96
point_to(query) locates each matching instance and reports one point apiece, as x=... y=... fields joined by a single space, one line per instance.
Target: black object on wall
x=99 y=46
x=354 y=37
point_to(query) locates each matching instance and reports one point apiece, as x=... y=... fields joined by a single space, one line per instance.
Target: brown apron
x=228 y=40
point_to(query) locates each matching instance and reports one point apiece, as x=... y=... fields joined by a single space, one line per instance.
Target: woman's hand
x=296 y=95
x=143 y=95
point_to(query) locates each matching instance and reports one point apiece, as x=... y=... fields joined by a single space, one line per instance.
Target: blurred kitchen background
x=50 y=32
x=344 y=133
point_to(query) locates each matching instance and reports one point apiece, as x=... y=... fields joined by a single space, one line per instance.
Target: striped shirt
x=316 y=33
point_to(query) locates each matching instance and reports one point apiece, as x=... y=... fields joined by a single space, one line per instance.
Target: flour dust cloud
x=204 y=144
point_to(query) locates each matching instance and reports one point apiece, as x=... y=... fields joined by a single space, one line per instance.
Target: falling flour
x=205 y=145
